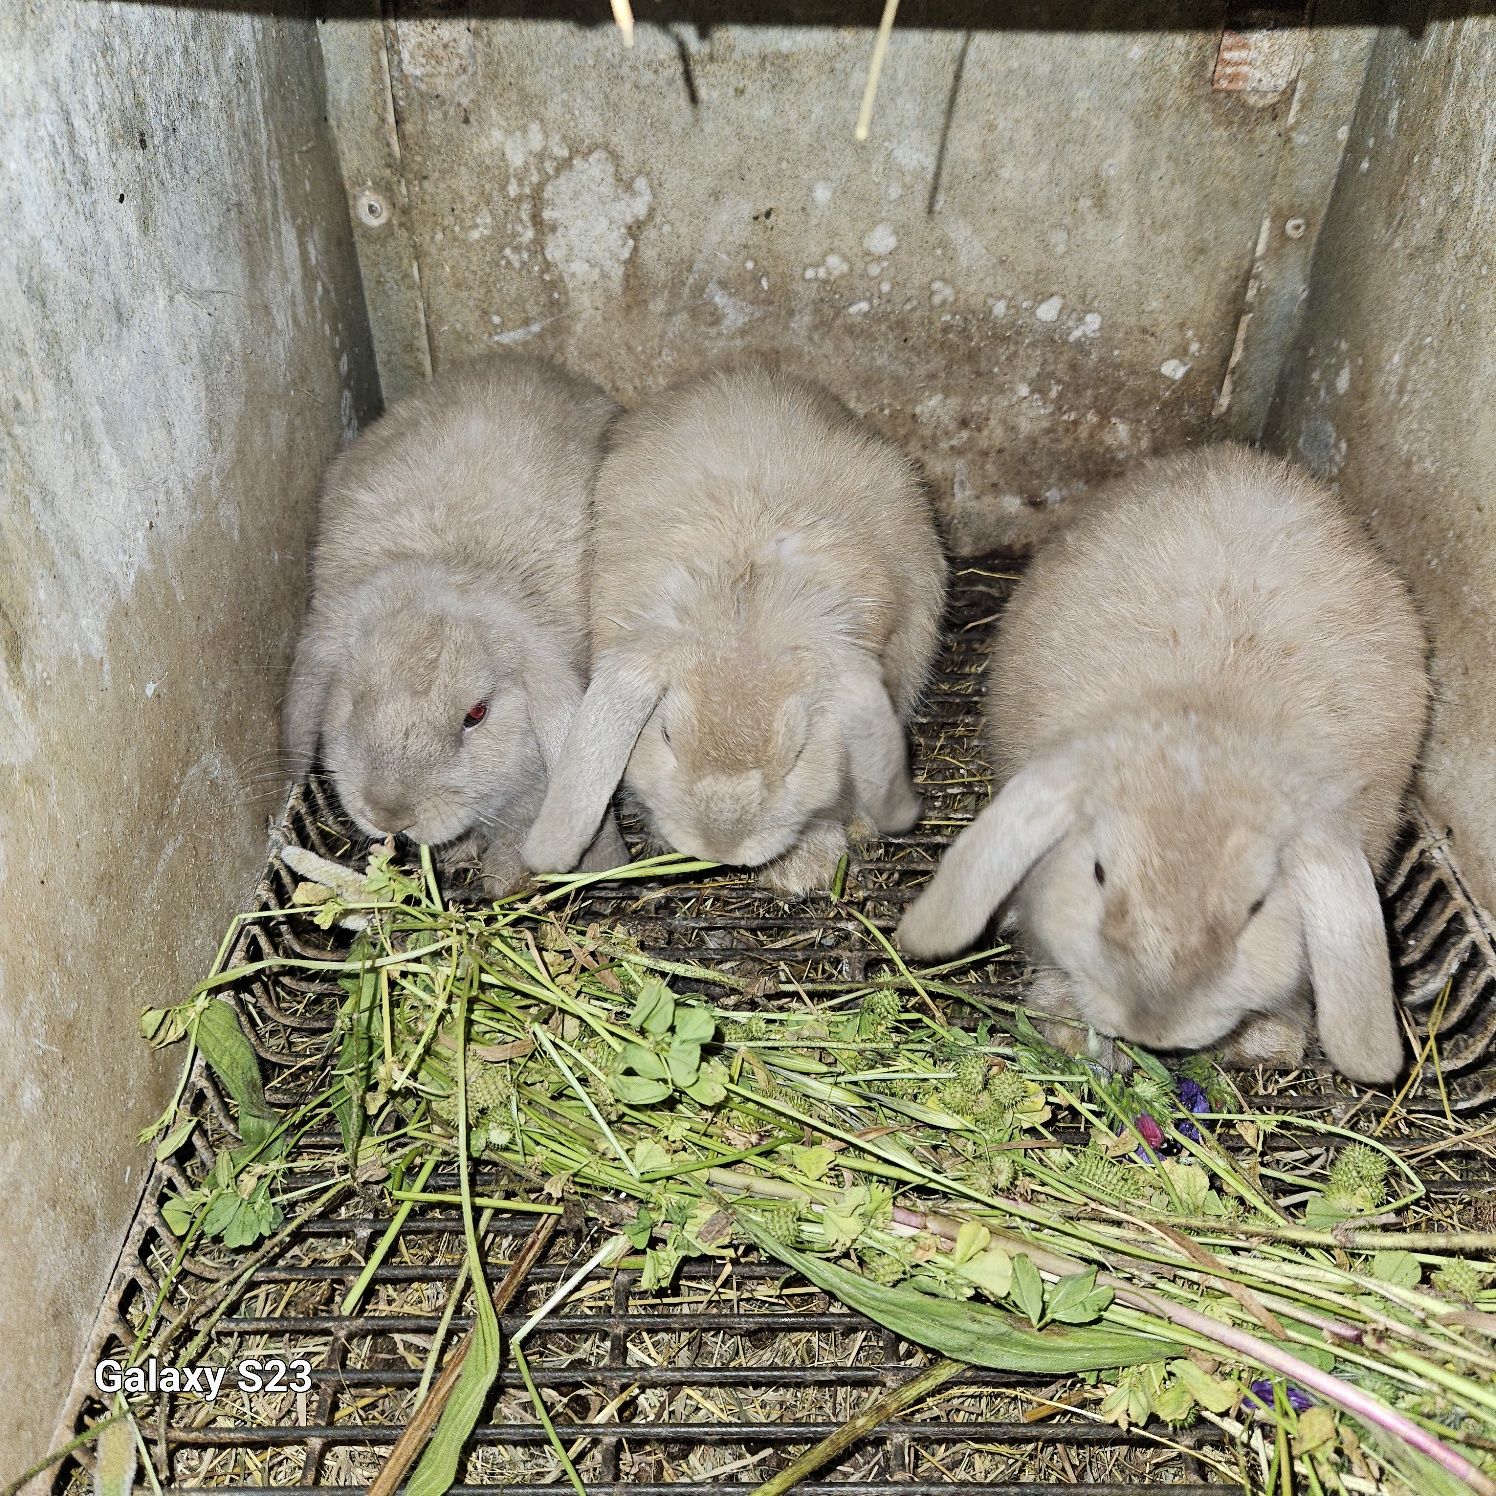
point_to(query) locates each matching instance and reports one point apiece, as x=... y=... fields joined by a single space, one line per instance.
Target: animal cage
x=1075 y=234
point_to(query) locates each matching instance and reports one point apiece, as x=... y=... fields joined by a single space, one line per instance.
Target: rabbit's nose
x=394 y=817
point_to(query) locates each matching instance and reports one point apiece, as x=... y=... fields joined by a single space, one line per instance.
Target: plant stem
x=880 y=1410
x=1331 y=1388
x=418 y=1430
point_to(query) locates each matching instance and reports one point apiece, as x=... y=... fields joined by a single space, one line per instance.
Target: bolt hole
x=372 y=209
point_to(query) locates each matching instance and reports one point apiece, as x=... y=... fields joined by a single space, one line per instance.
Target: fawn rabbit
x=1204 y=705
x=765 y=608
x=445 y=648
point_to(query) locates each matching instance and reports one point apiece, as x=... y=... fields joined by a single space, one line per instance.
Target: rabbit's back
x=727 y=467
x=1222 y=580
x=485 y=471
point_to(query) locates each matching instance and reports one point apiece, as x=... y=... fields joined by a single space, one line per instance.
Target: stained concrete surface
x=1034 y=270
x=182 y=345
x=1390 y=391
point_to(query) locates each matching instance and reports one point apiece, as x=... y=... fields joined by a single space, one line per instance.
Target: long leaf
x=217 y=1033
x=355 y=1058
x=977 y=1334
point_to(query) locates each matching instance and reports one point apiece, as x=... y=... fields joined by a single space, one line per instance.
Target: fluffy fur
x=766 y=606
x=451 y=570
x=1204 y=707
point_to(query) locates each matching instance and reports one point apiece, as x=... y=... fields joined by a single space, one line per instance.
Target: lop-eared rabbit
x=445 y=649
x=766 y=605
x=1204 y=707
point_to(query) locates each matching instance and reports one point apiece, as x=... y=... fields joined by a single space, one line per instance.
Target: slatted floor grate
x=713 y=1385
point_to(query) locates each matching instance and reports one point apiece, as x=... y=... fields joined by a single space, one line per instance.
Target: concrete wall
x=182 y=345
x=1392 y=389
x=1041 y=263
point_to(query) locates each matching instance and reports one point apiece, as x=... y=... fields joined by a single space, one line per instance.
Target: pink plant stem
x=1329 y=1387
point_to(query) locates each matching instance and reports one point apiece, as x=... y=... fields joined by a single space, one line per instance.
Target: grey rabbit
x=444 y=652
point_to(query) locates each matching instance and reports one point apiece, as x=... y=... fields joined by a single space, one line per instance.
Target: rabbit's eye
x=1100 y=872
x=1256 y=908
x=665 y=733
x=475 y=714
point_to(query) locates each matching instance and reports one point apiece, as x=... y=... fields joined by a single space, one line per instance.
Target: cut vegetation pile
x=932 y=1165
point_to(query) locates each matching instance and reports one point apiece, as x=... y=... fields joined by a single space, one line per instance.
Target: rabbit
x=766 y=606
x=445 y=648
x=1204 y=706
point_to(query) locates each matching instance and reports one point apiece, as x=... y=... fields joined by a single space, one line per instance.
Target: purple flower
x=1194 y=1097
x=1196 y=1101
x=1262 y=1394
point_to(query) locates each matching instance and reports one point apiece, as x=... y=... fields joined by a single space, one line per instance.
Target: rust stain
x=1262 y=54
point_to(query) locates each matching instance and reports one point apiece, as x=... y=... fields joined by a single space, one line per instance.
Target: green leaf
x=1132 y=1401
x=355 y=1058
x=1076 y=1300
x=1151 y=1065
x=636 y=1059
x=708 y=1088
x=694 y=1025
x=810 y=1162
x=684 y=1062
x=179 y=1212
x=991 y=1271
x=638 y=1230
x=649 y=1157
x=1315 y=1429
x=1334 y=1206
x=654 y=1011
x=660 y=1263
x=1192 y=1185
x=634 y=1090
x=1401 y=1269
x=1210 y=1392
x=639 y=1076
x=1175 y=1403
x=1126 y=1404
x=217 y=1033
x=174 y=1139
x=162 y=1026
x=846 y=1218
x=973 y=1237
x=972 y=1332
x=437 y=1471
x=1028 y=1289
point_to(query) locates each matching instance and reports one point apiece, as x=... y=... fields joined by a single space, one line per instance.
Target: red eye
x=476 y=713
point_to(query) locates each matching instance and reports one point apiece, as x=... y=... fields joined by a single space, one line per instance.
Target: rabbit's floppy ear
x=1034 y=810
x=625 y=689
x=874 y=738
x=1348 y=961
x=553 y=694
x=306 y=695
